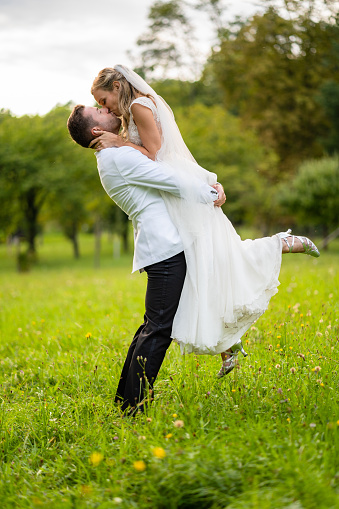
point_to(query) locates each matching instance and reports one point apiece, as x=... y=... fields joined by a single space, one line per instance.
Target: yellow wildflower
x=159 y=452
x=139 y=466
x=96 y=458
x=169 y=435
x=88 y=335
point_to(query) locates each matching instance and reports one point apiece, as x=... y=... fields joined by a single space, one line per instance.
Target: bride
x=229 y=282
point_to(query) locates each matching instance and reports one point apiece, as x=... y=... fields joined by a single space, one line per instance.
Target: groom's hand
x=221 y=195
x=105 y=139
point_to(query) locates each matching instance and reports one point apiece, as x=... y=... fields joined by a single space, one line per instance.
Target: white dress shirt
x=134 y=182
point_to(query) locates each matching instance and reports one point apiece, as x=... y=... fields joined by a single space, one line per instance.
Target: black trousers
x=148 y=348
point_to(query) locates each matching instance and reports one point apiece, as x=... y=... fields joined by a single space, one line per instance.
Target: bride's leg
x=298 y=244
x=296 y=248
x=230 y=358
x=228 y=363
x=225 y=355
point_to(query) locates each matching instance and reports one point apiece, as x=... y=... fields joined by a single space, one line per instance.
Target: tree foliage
x=167 y=42
x=178 y=93
x=271 y=70
x=25 y=167
x=313 y=195
x=329 y=99
x=41 y=169
x=275 y=70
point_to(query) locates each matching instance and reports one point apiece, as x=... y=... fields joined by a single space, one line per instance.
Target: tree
x=41 y=169
x=271 y=70
x=313 y=194
x=167 y=43
x=25 y=164
x=311 y=9
x=215 y=9
x=329 y=99
x=178 y=93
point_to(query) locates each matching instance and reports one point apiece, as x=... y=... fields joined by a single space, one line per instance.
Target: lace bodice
x=133 y=132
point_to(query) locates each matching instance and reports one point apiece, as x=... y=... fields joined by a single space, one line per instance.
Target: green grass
x=266 y=436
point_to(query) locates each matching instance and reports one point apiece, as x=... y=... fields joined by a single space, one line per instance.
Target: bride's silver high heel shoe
x=230 y=363
x=309 y=247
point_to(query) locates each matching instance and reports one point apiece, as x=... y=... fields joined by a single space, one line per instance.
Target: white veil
x=172 y=143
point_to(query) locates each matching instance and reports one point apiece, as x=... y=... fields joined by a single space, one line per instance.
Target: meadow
x=266 y=436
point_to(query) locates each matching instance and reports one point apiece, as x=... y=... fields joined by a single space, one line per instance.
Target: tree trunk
x=329 y=237
x=23 y=259
x=97 y=246
x=75 y=242
x=124 y=233
x=72 y=234
x=31 y=216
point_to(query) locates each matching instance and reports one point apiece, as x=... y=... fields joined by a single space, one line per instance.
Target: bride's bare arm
x=148 y=132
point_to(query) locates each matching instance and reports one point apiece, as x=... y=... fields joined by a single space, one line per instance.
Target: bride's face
x=108 y=98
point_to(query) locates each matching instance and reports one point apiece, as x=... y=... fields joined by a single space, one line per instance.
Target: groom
x=134 y=182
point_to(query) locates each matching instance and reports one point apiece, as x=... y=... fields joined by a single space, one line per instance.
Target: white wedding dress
x=229 y=282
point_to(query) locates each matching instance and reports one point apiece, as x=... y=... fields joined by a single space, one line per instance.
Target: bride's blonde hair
x=127 y=93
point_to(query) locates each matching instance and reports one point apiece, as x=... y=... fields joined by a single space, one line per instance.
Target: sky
x=50 y=51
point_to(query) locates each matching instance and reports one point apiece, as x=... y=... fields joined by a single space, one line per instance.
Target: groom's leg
x=164 y=286
x=119 y=397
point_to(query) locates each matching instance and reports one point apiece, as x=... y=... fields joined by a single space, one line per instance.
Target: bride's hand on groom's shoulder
x=221 y=195
x=106 y=139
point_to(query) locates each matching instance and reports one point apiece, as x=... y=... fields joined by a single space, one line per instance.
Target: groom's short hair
x=79 y=126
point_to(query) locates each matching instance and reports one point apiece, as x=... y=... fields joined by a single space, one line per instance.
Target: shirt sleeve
x=138 y=169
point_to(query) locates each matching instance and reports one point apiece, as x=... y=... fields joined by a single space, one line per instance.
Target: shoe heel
x=243 y=352
x=239 y=348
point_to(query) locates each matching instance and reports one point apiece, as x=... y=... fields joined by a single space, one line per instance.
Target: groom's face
x=103 y=119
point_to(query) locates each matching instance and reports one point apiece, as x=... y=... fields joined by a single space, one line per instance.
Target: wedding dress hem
x=243 y=317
